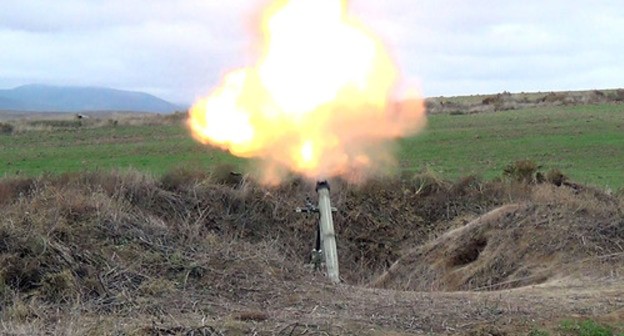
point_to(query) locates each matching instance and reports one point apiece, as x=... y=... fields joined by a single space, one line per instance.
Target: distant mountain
x=46 y=98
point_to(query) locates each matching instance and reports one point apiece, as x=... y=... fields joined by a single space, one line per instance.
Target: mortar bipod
x=317 y=257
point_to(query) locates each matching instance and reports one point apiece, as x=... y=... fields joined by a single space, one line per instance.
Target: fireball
x=319 y=100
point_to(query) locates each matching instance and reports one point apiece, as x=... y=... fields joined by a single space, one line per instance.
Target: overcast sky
x=178 y=50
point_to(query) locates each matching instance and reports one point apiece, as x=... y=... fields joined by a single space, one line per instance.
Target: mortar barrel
x=328 y=236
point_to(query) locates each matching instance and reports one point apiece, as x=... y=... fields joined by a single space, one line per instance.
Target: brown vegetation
x=6 y=128
x=555 y=234
x=123 y=244
x=23 y=122
x=512 y=101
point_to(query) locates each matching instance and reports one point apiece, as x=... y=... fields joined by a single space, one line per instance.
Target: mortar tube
x=328 y=237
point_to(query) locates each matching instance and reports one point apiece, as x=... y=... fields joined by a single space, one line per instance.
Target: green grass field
x=585 y=142
x=154 y=149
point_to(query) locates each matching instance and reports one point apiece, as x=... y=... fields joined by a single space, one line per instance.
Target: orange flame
x=318 y=100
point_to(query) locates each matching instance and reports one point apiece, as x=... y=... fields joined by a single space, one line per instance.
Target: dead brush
x=553 y=98
x=20 y=310
x=428 y=182
x=227 y=174
x=523 y=171
x=122 y=243
x=556 y=177
x=6 y=128
x=59 y=287
x=468 y=184
x=555 y=232
x=383 y=217
x=183 y=177
x=12 y=188
x=57 y=244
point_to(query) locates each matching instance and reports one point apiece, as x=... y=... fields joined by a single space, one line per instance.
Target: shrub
x=11 y=188
x=522 y=171
x=226 y=174
x=553 y=98
x=6 y=128
x=176 y=117
x=181 y=177
x=59 y=287
x=428 y=182
x=466 y=184
x=501 y=102
x=618 y=96
x=556 y=177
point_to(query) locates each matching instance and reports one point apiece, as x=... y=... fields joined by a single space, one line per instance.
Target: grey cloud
x=461 y=46
x=169 y=46
x=180 y=49
x=50 y=15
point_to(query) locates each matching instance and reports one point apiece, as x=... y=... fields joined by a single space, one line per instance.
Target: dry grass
x=556 y=232
x=80 y=251
x=108 y=240
x=505 y=101
x=48 y=122
x=6 y=128
x=59 y=233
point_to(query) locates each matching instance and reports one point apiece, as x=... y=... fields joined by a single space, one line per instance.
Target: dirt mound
x=558 y=232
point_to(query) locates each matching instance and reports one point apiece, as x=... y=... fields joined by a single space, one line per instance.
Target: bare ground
x=313 y=309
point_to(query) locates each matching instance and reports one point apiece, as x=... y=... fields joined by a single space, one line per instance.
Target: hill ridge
x=50 y=98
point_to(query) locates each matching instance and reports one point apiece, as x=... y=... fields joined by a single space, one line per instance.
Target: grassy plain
x=586 y=142
x=151 y=148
